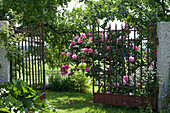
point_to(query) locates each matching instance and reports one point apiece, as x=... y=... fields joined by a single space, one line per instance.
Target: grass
x=78 y=102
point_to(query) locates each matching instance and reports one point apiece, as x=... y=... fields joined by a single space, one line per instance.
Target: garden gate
x=28 y=60
x=124 y=65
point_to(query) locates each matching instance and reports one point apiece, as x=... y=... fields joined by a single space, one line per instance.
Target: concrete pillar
x=163 y=59
x=4 y=62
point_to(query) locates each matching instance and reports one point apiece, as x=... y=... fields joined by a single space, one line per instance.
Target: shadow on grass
x=73 y=101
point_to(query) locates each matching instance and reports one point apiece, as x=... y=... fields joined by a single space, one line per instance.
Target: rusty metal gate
x=124 y=65
x=28 y=61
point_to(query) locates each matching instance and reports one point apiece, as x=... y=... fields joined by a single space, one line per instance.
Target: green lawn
x=77 y=102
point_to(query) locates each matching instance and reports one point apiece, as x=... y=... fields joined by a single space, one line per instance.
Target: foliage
x=17 y=96
x=77 y=82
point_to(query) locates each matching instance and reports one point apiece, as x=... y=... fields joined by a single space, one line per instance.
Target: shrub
x=18 y=97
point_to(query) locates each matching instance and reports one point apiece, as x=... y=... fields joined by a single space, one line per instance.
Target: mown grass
x=78 y=102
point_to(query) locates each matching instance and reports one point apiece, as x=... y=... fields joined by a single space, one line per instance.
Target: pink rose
x=115 y=84
x=108 y=47
x=124 y=82
x=63 y=67
x=66 y=71
x=88 y=34
x=80 y=40
x=66 y=66
x=126 y=78
x=126 y=25
x=69 y=73
x=85 y=49
x=138 y=84
x=87 y=69
x=76 y=37
x=62 y=73
x=63 y=53
x=68 y=54
x=82 y=60
x=108 y=92
x=131 y=59
x=73 y=43
x=90 y=38
x=148 y=51
x=83 y=35
x=146 y=56
x=136 y=47
x=74 y=56
x=84 y=56
x=90 y=50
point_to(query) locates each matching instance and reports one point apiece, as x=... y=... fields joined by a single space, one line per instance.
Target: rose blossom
x=74 y=56
x=90 y=38
x=68 y=54
x=63 y=53
x=63 y=67
x=82 y=60
x=148 y=51
x=83 y=35
x=108 y=47
x=131 y=59
x=115 y=84
x=80 y=40
x=84 y=56
x=124 y=82
x=90 y=50
x=88 y=34
x=73 y=43
x=138 y=84
x=76 y=37
x=136 y=47
x=87 y=69
x=126 y=77
x=66 y=66
x=66 y=71
x=85 y=50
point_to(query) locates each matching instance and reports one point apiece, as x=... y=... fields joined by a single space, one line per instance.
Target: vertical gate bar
x=11 y=60
x=104 y=63
x=38 y=42
x=155 y=61
x=35 y=59
x=93 y=54
x=116 y=53
x=98 y=59
x=147 y=60
x=43 y=54
x=141 y=66
x=19 y=56
x=122 y=56
x=26 y=49
x=110 y=57
x=29 y=56
x=15 y=56
x=40 y=57
x=23 y=53
x=32 y=56
x=134 y=61
x=128 y=60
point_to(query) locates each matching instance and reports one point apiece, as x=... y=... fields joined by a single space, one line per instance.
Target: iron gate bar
x=116 y=98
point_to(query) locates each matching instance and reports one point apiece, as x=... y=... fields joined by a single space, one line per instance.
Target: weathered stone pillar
x=4 y=62
x=163 y=59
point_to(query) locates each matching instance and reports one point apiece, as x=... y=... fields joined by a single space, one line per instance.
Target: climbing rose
x=105 y=37
x=115 y=84
x=124 y=82
x=68 y=54
x=87 y=69
x=63 y=67
x=80 y=40
x=69 y=73
x=126 y=25
x=148 y=51
x=76 y=37
x=73 y=43
x=88 y=34
x=82 y=60
x=85 y=49
x=138 y=84
x=84 y=56
x=66 y=66
x=146 y=56
x=66 y=71
x=90 y=50
x=74 y=56
x=108 y=47
x=108 y=92
x=126 y=77
x=90 y=38
x=63 y=53
x=83 y=35
x=62 y=73
x=131 y=59
x=136 y=47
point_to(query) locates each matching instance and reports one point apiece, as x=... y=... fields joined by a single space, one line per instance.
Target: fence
x=124 y=65
x=28 y=61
